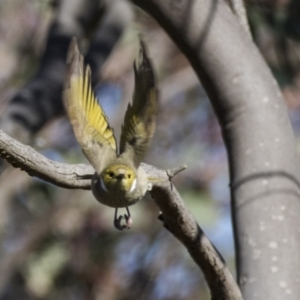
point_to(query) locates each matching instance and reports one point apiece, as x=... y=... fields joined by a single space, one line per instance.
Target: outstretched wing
x=88 y=119
x=140 y=117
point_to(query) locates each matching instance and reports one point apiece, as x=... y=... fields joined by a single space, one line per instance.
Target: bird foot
x=119 y=224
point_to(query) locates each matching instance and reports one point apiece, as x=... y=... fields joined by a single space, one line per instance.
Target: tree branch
x=35 y=164
x=238 y=7
x=264 y=164
x=180 y=222
x=177 y=218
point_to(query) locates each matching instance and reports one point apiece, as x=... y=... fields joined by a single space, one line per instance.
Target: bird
x=119 y=180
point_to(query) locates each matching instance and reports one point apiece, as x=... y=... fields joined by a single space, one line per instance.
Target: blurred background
x=61 y=244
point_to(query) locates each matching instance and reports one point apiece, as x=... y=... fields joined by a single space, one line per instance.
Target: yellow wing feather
x=87 y=117
x=140 y=117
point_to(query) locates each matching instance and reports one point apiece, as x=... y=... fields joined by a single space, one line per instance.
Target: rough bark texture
x=180 y=222
x=177 y=218
x=264 y=166
x=35 y=164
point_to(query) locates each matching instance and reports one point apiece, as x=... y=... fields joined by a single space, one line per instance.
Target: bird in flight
x=119 y=180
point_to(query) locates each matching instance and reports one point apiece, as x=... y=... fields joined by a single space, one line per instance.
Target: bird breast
x=116 y=197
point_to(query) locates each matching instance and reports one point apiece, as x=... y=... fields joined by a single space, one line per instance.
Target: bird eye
x=111 y=174
x=129 y=176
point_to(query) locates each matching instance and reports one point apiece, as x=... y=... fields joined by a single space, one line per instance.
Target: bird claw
x=128 y=221
x=117 y=223
x=119 y=220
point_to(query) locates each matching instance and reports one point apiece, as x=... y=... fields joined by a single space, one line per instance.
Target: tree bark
x=177 y=219
x=264 y=165
x=180 y=222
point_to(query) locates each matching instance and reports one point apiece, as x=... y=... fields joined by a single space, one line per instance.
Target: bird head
x=118 y=176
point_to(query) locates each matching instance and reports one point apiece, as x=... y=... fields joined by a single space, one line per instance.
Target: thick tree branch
x=264 y=165
x=35 y=164
x=238 y=7
x=180 y=222
x=177 y=218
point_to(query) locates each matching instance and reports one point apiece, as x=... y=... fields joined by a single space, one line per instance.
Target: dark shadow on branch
x=265 y=175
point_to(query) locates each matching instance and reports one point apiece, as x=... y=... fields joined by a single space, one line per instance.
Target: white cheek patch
x=103 y=185
x=133 y=186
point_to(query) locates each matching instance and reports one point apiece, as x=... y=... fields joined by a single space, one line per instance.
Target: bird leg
x=118 y=220
x=128 y=219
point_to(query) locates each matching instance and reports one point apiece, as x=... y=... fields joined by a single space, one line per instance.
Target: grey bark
x=264 y=165
x=238 y=8
x=180 y=222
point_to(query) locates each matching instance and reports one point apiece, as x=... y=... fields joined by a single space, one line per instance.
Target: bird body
x=118 y=190
x=119 y=180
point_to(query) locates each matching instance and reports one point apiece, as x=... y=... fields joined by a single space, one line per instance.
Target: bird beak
x=120 y=176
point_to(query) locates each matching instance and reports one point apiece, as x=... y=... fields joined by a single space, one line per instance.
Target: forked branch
x=177 y=219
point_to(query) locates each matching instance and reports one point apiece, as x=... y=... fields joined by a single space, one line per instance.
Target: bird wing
x=87 y=117
x=140 y=117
